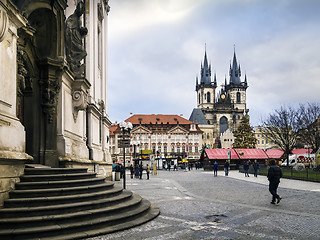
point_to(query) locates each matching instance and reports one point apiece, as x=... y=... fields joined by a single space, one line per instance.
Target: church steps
x=56 y=177
x=59 y=191
x=48 y=170
x=53 y=200
x=64 y=208
x=71 y=228
x=56 y=184
x=63 y=218
x=70 y=209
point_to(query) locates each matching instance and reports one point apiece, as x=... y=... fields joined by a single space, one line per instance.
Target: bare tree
x=281 y=128
x=308 y=124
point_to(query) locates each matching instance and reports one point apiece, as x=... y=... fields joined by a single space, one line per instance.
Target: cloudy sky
x=156 y=48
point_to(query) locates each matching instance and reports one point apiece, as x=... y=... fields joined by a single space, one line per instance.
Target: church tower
x=217 y=114
x=236 y=89
x=205 y=88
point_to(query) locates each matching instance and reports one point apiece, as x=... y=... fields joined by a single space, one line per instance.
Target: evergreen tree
x=244 y=135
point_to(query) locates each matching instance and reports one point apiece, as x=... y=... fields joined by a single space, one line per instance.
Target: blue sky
x=156 y=48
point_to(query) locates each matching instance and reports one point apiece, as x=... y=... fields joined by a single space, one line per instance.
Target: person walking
x=136 y=171
x=148 y=171
x=274 y=175
x=141 y=170
x=215 y=168
x=131 y=171
x=256 y=168
x=246 y=168
x=226 y=168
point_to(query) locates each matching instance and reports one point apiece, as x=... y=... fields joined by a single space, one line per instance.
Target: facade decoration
x=52 y=110
x=3 y=22
x=75 y=51
x=167 y=137
x=220 y=110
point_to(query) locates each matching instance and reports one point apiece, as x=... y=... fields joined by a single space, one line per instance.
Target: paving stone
x=197 y=205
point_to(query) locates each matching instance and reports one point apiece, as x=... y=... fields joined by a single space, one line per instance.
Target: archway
x=223 y=124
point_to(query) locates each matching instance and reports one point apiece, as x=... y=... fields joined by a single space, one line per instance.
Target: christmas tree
x=244 y=135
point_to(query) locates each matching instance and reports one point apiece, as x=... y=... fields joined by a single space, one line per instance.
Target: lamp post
x=125 y=128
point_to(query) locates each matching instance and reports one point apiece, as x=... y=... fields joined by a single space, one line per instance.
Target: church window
x=238 y=97
x=208 y=97
x=199 y=98
x=223 y=124
x=208 y=121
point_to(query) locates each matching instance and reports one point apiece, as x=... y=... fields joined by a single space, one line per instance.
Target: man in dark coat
x=274 y=175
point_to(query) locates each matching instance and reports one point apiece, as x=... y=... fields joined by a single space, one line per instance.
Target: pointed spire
x=245 y=79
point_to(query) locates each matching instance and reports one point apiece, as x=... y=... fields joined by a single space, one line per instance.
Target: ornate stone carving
x=50 y=85
x=80 y=93
x=106 y=5
x=75 y=51
x=79 y=102
x=3 y=23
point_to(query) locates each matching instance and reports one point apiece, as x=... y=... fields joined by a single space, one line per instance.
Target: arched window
x=238 y=97
x=199 y=98
x=223 y=124
x=208 y=97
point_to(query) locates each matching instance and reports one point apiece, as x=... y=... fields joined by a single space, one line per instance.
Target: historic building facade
x=53 y=101
x=167 y=136
x=223 y=110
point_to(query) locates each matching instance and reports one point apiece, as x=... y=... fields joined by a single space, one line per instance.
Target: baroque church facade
x=53 y=87
x=218 y=112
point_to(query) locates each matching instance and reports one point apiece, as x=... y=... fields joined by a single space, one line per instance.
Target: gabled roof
x=178 y=129
x=112 y=130
x=301 y=151
x=251 y=153
x=274 y=153
x=197 y=116
x=157 y=118
x=219 y=153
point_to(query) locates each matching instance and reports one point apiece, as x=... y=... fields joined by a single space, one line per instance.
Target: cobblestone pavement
x=197 y=205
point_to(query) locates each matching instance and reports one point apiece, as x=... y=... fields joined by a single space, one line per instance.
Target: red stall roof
x=274 y=153
x=251 y=154
x=301 y=151
x=220 y=153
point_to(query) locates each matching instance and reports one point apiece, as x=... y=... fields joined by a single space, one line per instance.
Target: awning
x=251 y=154
x=220 y=153
x=274 y=153
x=301 y=151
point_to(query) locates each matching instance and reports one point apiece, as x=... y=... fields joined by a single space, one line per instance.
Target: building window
x=153 y=137
x=165 y=137
x=145 y=137
x=172 y=148
x=258 y=141
x=196 y=149
x=196 y=137
x=159 y=149
x=172 y=137
x=178 y=137
x=178 y=149
x=190 y=137
x=183 y=149
x=183 y=137
x=165 y=149
x=199 y=98
x=208 y=97
x=238 y=97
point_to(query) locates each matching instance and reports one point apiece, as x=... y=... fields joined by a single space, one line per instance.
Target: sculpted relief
x=75 y=51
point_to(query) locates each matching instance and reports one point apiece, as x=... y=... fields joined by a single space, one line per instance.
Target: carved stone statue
x=75 y=51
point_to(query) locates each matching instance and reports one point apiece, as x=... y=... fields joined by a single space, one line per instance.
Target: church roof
x=197 y=116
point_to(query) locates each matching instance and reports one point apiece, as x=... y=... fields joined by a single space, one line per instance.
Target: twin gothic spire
x=234 y=73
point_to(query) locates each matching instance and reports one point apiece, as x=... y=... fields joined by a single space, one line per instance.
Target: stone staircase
x=69 y=203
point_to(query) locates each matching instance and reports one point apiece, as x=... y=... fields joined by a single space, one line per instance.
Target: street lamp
x=125 y=128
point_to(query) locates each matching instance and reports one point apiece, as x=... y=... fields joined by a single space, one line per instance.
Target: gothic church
x=218 y=112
